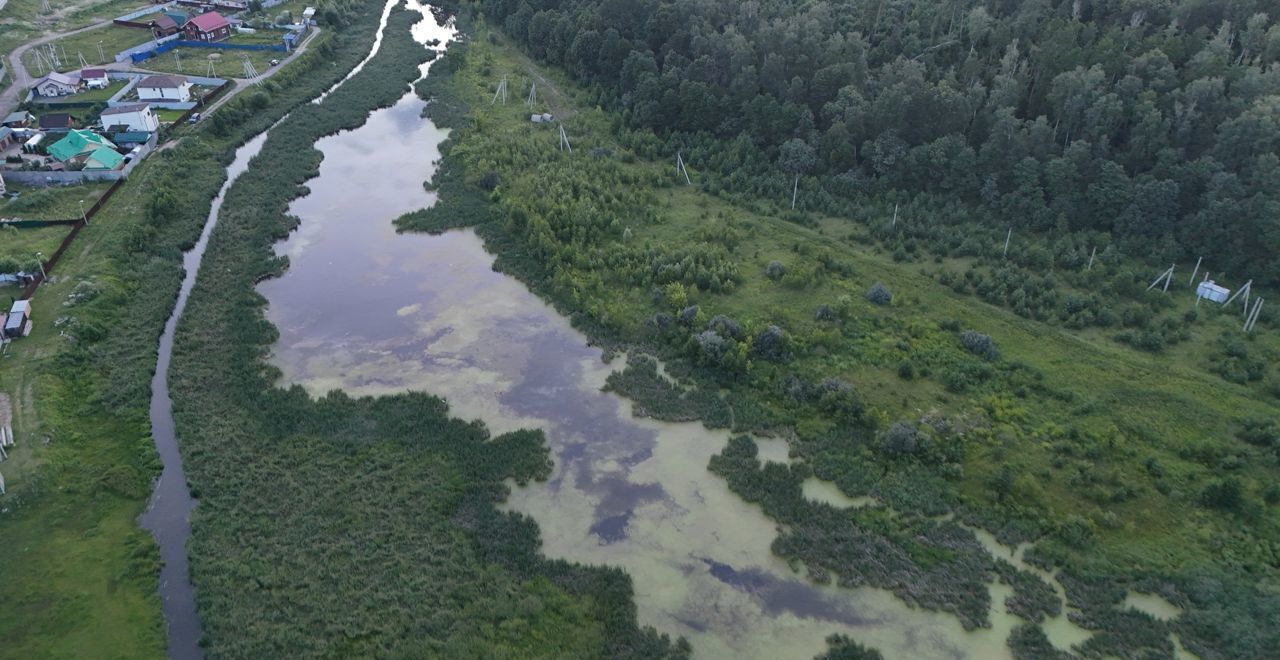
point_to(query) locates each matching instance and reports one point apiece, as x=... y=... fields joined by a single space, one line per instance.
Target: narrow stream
x=372 y=312
x=168 y=514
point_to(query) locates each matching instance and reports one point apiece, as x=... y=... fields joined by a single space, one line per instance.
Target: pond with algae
x=372 y=312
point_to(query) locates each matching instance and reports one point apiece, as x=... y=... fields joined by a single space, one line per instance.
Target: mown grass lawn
x=226 y=63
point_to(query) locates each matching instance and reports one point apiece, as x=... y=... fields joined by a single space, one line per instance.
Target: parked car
x=194 y=118
x=274 y=62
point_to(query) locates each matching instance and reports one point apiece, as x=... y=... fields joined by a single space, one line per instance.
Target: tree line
x=1155 y=120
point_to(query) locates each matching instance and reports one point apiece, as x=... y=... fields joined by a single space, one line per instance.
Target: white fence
x=142 y=12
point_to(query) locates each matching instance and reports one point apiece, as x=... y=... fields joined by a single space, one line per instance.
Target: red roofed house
x=95 y=78
x=207 y=27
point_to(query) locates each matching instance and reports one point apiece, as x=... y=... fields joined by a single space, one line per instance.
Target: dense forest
x=1149 y=471
x=1156 y=121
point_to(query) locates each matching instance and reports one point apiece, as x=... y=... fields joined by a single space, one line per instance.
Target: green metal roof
x=77 y=142
x=103 y=158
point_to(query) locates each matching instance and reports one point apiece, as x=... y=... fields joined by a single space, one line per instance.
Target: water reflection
x=372 y=312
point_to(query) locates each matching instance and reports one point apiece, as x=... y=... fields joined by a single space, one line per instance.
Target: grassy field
x=112 y=39
x=226 y=63
x=1109 y=457
x=54 y=203
x=22 y=20
x=21 y=245
x=80 y=579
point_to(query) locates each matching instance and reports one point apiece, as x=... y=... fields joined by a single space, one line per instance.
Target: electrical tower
x=250 y=72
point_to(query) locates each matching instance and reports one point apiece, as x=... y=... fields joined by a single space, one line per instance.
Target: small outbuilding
x=18 y=323
x=543 y=118
x=1212 y=292
x=19 y=119
x=95 y=78
x=57 y=122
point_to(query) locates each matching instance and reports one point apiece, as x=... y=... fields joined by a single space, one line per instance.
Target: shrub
x=1260 y=432
x=825 y=313
x=772 y=344
x=774 y=270
x=979 y=344
x=726 y=327
x=878 y=294
x=906 y=370
x=689 y=315
x=1225 y=494
x=712 y=345
x=900 y=439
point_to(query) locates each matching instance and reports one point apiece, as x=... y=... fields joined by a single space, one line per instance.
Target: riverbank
x=1106 y=458
x=81 y=575
x=345 y=526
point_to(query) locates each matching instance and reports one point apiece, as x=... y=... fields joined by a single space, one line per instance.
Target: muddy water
x=371 y=312
x=168 y=514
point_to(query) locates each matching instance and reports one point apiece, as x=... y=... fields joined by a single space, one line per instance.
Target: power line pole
x=1165 y=277
x=680 y=169
x=1197 y=270
x=533 y=95
x=1007 y=238
x=564 y=141
x=1091 y=256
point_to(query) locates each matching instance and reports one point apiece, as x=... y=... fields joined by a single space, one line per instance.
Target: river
x=372 y=312
x=168 y=514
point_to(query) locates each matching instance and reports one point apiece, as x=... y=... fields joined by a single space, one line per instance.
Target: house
x=164 y=25
x=57 y=122
x=94 y=78
x=19 y=119
x=103 y=159
x=78 y=144
x=7 y=137
x=57 y=84
x=164 y=88
x=207 y=27
x=133 y=117
x=19 y=320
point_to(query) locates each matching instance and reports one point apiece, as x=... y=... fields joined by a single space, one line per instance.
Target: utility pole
x=83 y=215
x=1091 y=256
x=101 y=56
x=533 y=95
x=680 y=169
x=501 y=92
x=1165 y=277
x=1197 y=270
x=795 y=189
x=895 y=217
x=564 y=141
x=1007 y=237
x=1247 y=289
x=1253 y=315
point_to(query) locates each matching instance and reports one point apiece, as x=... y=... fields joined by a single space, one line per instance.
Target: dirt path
x=18 y=71
x=22 y=79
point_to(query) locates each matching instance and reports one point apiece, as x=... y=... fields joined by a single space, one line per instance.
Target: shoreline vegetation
x=1127 y=469
x=82 y=574
x=368 y=526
